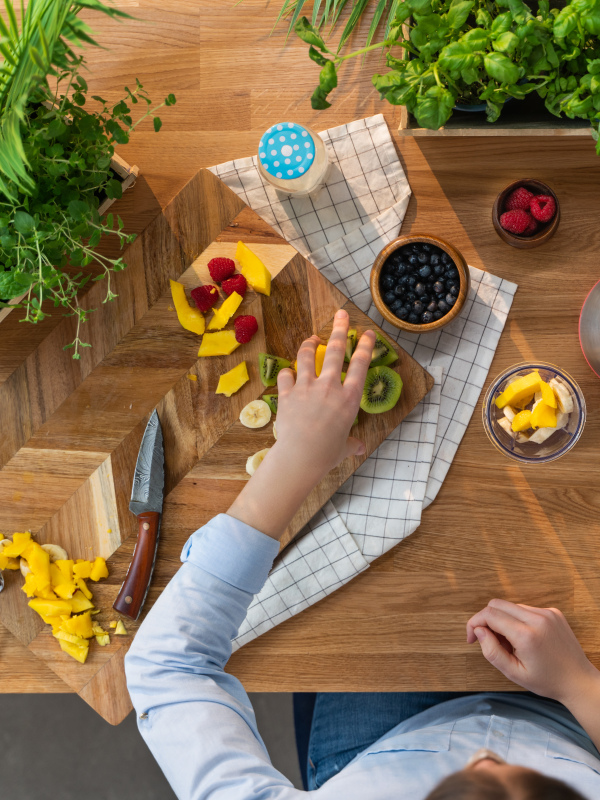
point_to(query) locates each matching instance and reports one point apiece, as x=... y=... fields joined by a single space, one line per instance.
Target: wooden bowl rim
x=541 y=236
x=459 y=263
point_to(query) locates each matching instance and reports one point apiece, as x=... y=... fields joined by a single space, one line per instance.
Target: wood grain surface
x=496 y=529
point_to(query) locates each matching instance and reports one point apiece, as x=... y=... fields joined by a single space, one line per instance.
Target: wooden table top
x=495 y=529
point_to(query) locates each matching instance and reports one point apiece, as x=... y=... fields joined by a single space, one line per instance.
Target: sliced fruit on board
x=218 y=344
x=254 y=461
x=382 y=390
x=383 y=352
x=233 y=380
x=253 y=269
x=225 y=312
x=256 y=414
x=269 y=367
x=189 y=318
x=271 y=400
x=319 y=359
x=351 y=342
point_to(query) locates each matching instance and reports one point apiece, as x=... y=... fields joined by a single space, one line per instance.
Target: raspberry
x=519 y=199
x=531 y=228
x=515 y=221
x=221 y=268
x=205 y=297
x=245 y=328
x=543 y=207
x=236 y=284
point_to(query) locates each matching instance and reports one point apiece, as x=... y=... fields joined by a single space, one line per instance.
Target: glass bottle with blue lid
x=292 y=158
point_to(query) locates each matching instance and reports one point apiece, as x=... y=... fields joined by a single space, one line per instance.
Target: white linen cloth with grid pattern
x=340 y=229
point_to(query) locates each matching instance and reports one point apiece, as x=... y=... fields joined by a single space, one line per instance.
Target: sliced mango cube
x=319 y=359
x=81 y=625
x=120 y=630
x=19 y=543
x=218 y=344
x=103 y=639
x=65 y=590
x=66 y=567
x=231 y=381
x=189 y=318
x=99 y=569
x=29 y=586
x=8 y=563
x=78 y=603
x=56 y=576
x=69 y=637
x=521 y=421
x=223 y=314
x=82 y=568
x=50 y=608
x=253 y=269
x=543 y=416
x=81 y=584
x=518 y=390
x=78 y=652
x=548 y=395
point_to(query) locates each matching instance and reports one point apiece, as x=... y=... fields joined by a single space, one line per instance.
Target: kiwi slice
x=383 y=352
x=271 y=401
x=269 y=367
x=381 y=391
x=351 y=343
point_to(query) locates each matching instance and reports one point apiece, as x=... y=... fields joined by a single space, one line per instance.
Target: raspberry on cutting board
x=543 y=207
x=516 y=221
x=205 y=297
x=519 y=199
x=245 y=327
x=221 y=268
x=236 y=284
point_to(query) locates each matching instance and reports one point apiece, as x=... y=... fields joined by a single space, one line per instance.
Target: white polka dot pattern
x=278 y=146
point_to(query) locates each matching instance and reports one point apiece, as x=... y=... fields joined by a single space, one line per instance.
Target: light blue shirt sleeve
x=197 y=719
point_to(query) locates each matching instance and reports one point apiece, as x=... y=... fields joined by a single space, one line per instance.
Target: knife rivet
x=144 y=716
x=145 y=526
x=129 y=599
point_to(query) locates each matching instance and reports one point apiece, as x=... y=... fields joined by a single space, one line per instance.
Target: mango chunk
x=189 y=318
x=56 y=576
x=99 y=569
x=253 y=269
x=233 y=380
x=18 y=544
x=548 y=395
x=81 y=584
x=223 y=314
x=520 y=389
x=543 y=416
x=82 y=568
x=50 y=608
x=218 y=344
x=103 y=639
x=66 y=567
x=521 y=421
x=81 y=625
x=76 y=651
x=8 y=563
x=69 y=637
x=65 y=590
x=79 y=603
x=319 y=359
x=29 y=586
x=120 y=629
x=2 y=537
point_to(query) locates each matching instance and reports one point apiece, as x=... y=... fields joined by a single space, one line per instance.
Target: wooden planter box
x=127 y=175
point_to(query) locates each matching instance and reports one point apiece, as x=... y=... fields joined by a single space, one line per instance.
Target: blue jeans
x=334 y=727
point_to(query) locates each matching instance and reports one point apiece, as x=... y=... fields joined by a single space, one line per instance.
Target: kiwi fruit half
x=271 y=401
x=381 y=391
x=383 y=352
x=269 y=367
x=351 y=343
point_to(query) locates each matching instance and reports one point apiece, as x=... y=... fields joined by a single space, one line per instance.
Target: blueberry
x=420 y=289
x=413 y=260
x=438 y=314
x=454 y=289
x=407 y=250
x=443 y=306
x=426 y=317
x=434 y=259
x=400 y=268
x=413 y=318
x=452 y=273
x=425 y=299
x=446 y=259
x=399 y=290
x=388 y=298
x=402 y=312
x=450 y=299
x=432 y=306
x=425 y=271
x=426 y=248
x=417 y=307
x=410 y=297
x=438 y=287
x=439 y=269
x=388 y=282
x=404 y=280
x=423 y=258
x=412 y=281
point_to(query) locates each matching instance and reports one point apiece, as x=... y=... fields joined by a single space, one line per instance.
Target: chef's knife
x=146 y=503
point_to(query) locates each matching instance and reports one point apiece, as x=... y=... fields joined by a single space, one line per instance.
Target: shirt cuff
x=232 y=551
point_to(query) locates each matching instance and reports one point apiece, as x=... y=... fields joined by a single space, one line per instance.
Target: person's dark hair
x=480 y=785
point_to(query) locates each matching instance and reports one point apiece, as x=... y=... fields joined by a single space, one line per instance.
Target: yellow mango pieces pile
x=58 y=590
x=532 y=404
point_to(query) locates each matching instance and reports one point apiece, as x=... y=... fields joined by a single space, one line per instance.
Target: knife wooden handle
x=135 y=587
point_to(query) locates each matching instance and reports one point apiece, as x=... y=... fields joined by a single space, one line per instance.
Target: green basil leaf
x=434 y=109
x=502 y=23
x=501 y=68
x=317 y=57
x=455 y=57
x=506 y=43
x=419 y=6
x=458 y=14
x=429 y=23
x=493 y=110
x=591 y=22
x=565 y=22
x=593 y=67
x=318 y=99
x=78 y=210
x=384 y=82
x=157 y=122
x=23 y=222
x=308 y=34
x=113 y=189
x=328 y=77
x=475 y=39
x=483 y=18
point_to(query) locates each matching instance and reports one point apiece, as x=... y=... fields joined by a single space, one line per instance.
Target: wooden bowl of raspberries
x=526 y=214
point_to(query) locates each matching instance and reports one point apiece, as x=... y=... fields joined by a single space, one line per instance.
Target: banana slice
x=256 y=414
x=4 y=543
x=274 y=432
x=563 y=396
x=254 y=462
x=541 y=435
x=562 y=419
x=56 y=552
x=522 y=437
x=509 y=413
x=537 y=397
x=506 y=425
x=23 y=567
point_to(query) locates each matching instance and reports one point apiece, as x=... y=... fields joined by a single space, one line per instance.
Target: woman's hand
x=534 y=647
x=314 y=415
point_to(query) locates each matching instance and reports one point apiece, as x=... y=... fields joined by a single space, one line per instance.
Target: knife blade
x=146 y=503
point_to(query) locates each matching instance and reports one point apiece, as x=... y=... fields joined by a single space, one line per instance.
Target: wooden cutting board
x=67 y=462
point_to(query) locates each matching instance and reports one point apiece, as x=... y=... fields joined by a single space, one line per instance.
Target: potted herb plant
x=447 y=53
x=55 y=161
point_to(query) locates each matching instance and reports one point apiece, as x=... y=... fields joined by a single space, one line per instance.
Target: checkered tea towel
x=340 y=229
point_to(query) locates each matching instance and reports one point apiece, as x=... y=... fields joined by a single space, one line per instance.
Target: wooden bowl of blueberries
x=419 y=283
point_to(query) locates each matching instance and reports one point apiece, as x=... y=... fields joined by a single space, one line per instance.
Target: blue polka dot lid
x=286 y=150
